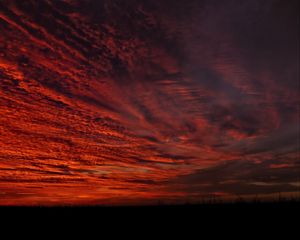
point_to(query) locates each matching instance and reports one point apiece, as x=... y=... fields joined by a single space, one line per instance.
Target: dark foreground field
x=216 y=219
x=252 y=208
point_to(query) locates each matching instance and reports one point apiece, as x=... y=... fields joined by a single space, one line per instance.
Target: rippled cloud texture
x=135 y=102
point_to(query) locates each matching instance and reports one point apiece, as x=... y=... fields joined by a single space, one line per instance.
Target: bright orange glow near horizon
x=147 y=102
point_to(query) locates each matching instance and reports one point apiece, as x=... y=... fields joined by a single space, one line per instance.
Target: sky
x=118 y=102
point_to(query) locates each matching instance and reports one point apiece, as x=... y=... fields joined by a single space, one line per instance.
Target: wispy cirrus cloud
x=126 y=102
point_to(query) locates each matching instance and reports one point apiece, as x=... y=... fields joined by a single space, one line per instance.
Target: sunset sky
x=147 y=102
